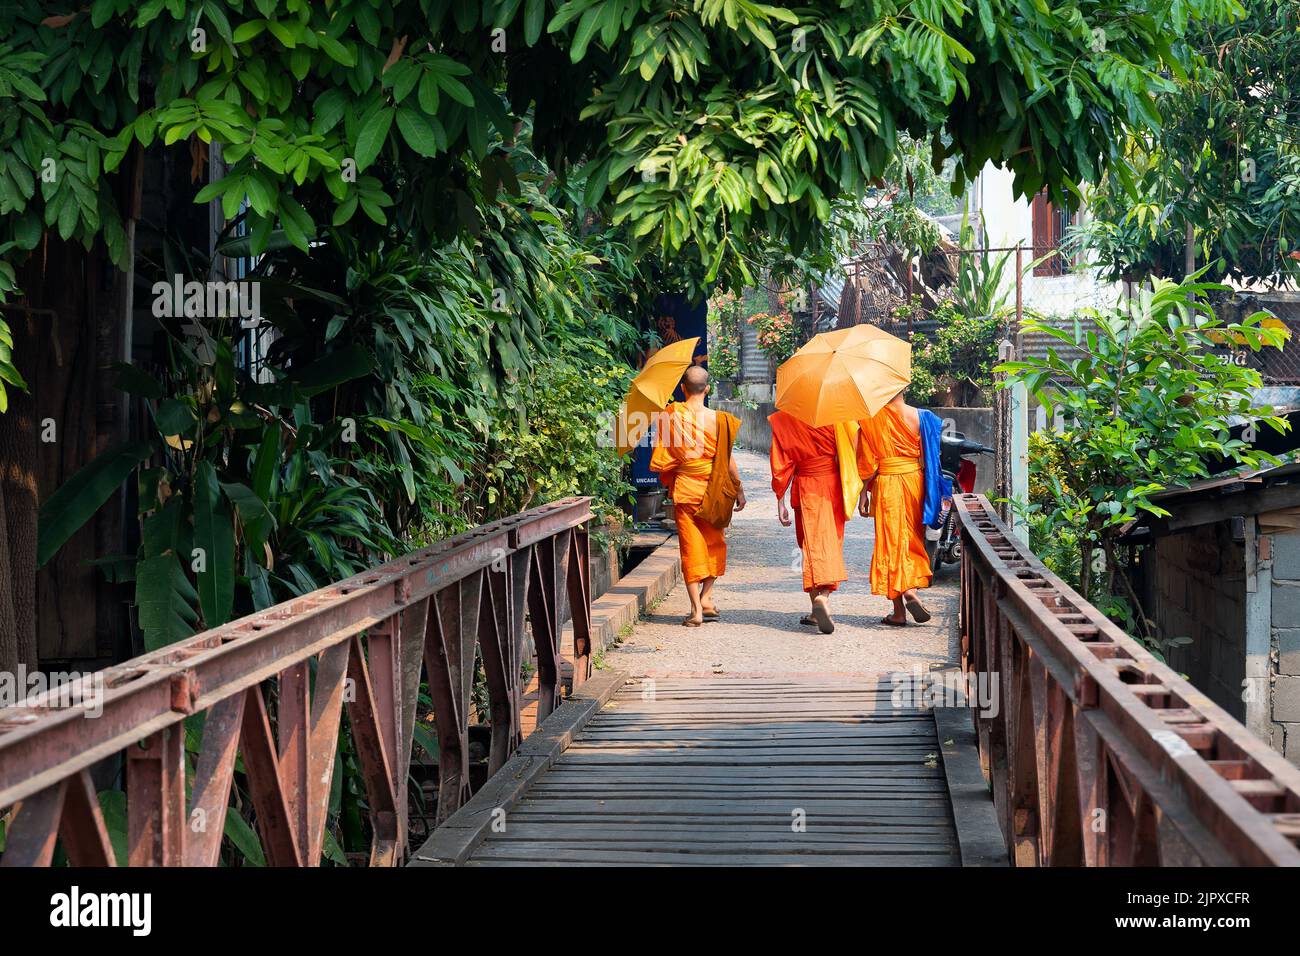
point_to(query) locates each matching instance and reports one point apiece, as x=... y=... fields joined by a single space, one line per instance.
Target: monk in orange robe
x=805 y=462
x=686 y=445
x=891 y=464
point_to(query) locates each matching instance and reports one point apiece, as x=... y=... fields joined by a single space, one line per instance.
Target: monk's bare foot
x=711 y=613
x=821 y=613
x=893 y=621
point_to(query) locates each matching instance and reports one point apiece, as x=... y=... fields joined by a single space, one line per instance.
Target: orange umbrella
x=843 y=375
x=651 y=391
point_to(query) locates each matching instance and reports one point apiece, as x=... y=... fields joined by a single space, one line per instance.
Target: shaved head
x=695 y=381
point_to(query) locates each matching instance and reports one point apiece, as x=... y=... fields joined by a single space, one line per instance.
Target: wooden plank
x=564 y=772
x=980 y=837
x=736 y=772
x=795 y=748
x=532 y=855
x=713 y=822
x=802 y=744
x=763 y=760
x=819 y=723
x=857 y=809
x=766 y=709
x=692 y=847
x=603 y=735
x=452 y=843
x=787 y=793
x=741 y=835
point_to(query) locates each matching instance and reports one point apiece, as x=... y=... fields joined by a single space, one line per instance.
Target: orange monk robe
x=803 y=460
x=683 y=457
x=890 y=448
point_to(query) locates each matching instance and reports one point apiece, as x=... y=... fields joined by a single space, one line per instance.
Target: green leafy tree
x=1147 y=392
x=701 y=126
x=1218 y=182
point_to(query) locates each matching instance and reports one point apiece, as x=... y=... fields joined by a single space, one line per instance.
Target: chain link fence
x=1277 y=367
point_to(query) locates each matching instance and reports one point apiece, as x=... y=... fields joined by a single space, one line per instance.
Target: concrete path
x=761 y=600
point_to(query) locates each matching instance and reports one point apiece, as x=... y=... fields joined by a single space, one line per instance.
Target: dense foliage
x=776 y=334
x=953 y=365
x=1147 y=392
x=725 y=315
x=394 y=401
x=703 y=127
x=1225 y=162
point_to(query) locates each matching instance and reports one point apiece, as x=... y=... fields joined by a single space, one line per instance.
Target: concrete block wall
x=1284 y=703
x=1199 y=592
x=977 y=424
x=755 y=433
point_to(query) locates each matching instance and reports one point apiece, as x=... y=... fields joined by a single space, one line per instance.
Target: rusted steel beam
x=360 y=643
x=275 y=822
x=1100 y=753
x=155 y=799
x=34 y=830
x=500 y=667
x=579 y=595
x=46 y=741
x=449 y=663
x=372 y=755
x=213 y=774
x=326 y=712
x=545 y=580
x=292 y=720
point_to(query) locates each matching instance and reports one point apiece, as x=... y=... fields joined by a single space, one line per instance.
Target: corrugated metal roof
x=831 y=291
x=1208 y=487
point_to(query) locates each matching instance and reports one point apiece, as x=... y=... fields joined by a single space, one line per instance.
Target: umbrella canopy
x=651 y=391
x=843 y=375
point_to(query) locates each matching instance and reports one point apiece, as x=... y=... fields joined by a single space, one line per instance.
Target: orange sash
x=719 y=502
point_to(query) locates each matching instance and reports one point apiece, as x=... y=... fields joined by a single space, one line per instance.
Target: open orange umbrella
x=651 y=391
x=843 y=375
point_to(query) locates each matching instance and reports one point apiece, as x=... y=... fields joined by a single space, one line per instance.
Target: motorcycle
x=959 y=472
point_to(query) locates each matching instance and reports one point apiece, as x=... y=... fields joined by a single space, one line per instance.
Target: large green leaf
x=374 y=131
x=164 y=601
x=135 y=381
x=266 y=468
x=112 y=803
x=334 y=369
x=417 y=130
x=259 y=582
x=254 y=516
x=73 y=504
x=244 y=838
x=330 y=848
x=214 y=534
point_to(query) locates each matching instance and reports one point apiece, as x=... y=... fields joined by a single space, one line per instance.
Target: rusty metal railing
x=1097 y=753
x=272 y=687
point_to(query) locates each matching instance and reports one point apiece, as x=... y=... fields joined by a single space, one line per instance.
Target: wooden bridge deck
x=739 y=771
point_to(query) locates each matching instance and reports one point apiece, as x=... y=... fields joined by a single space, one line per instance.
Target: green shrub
x=954 y=364
x=1150 y=397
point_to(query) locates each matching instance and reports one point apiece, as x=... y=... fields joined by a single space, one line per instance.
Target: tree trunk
x=18 y=503
x=70 y=327
x=1085 y=570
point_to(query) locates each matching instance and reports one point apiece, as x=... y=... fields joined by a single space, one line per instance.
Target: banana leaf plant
x=241 y=496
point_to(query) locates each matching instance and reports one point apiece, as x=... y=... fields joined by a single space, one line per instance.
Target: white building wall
x=1008 y=221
